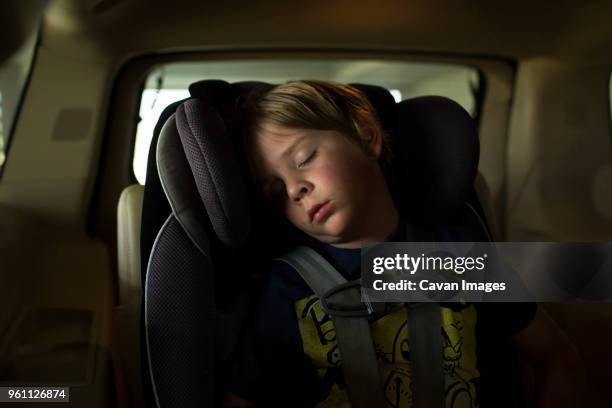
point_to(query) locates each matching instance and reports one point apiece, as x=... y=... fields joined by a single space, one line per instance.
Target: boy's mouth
x=318 y=211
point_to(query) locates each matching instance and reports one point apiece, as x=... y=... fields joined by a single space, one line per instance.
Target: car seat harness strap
x=425 y=337
x=359 y=364
x=343 y=302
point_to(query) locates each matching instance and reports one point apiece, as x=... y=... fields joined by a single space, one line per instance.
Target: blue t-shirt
x=288 y=354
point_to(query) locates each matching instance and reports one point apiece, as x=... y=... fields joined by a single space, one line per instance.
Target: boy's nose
x=298 y=191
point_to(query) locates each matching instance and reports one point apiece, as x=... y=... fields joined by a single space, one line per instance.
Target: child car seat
x=203 y=226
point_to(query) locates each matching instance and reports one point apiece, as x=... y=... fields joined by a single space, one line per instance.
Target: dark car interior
x=131 y=237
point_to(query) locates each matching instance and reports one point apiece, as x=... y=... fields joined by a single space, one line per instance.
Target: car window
x=169 y=82
x=14 y=73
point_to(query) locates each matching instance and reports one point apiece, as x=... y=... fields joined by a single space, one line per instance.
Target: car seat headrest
x=383 y=103
x=222 y=95
x=435 y=158
x=437 y=151
x=200 y=175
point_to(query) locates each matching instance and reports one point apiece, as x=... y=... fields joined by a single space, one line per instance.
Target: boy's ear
x=372 y=135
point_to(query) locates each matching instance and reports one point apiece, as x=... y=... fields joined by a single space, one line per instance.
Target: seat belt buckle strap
x=348 y=301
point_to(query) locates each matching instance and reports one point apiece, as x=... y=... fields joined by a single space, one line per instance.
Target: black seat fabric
x=206 y=231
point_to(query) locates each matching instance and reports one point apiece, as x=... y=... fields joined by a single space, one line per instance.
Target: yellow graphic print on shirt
x=390 y=336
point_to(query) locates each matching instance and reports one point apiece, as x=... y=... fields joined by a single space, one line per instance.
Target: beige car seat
x=129 y=214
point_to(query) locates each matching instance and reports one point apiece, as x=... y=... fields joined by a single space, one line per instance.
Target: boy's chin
x=331 y=232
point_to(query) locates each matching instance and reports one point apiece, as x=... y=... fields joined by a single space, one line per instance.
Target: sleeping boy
x=316 y=149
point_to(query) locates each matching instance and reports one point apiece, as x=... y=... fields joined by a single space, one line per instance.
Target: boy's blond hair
x=320 y=105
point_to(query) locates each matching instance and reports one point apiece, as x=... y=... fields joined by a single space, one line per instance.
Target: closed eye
x=308 y=159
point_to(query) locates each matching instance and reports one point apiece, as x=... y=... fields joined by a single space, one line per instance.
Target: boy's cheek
x=332 y=180
x=296 y=216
